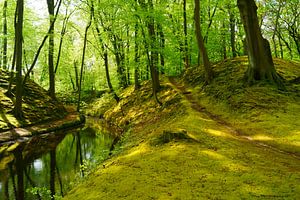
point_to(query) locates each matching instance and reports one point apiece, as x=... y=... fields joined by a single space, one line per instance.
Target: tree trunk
x=136 y=58
x=83 y=57
x=42 y=44
x=186 y=48
x=62 y=34
x=4 y=64
x=19 y=55
x=105 y=58
x=162 y=48
x=261 y=65
x=154 y=54
x=207 y=67
x=232 y=34
x=50 y=4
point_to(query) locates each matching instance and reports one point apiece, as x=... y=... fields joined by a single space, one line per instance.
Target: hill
x=218 y=141
x=38 y=107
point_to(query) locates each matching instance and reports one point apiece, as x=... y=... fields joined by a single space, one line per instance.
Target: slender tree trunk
x=42 y=44
x=275 y=29
x=162 y=48
x=83 y=56
x=154 y=54
x=19 y=55
x=62 y=34
x=105 y=58
x=207 y=67
x=224 y=50
x=232 y=34
x=50 y=4
x=76 y=75
x=4 y=65
x=261 y=66
x=136 y=57
x=186 y=47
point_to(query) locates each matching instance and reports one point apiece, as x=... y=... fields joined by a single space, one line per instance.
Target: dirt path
x=238 y=134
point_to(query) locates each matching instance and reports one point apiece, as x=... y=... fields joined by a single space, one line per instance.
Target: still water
x=51 y=164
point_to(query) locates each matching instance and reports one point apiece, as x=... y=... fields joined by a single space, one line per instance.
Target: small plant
x=43 y=193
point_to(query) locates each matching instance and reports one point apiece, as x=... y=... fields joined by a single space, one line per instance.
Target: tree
x=50 y=4
x=19 y=55
x=261 y=66
x=4 y=64
x=207 y=67
x=83 y=54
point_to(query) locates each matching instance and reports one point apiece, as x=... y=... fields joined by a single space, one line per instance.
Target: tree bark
x=154 y=54
x=232 y=33
x=19 y=56
x=261 y=66
x=207 y=67
x=136 y=57
x=4 y=64
x=83 y=57
x=186 y=47
x=50 y=4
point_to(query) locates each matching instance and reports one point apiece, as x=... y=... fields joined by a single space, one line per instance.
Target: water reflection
x=47 y=165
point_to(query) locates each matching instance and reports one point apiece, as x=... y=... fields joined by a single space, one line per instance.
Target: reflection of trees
x=79 y=153
x=52 y=171
x=60 y=162
x=19 y=170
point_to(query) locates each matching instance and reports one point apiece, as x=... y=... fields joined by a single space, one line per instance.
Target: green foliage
x=43 y=193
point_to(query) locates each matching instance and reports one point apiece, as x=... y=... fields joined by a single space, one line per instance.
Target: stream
x=51 y=163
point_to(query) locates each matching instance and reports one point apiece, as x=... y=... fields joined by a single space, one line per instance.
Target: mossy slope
x=261 y=111
x=208 y=163
x=37 y=105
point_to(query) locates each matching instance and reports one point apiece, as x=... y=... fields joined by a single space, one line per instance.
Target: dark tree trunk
x=120 y=59
x=136 y=57
x=19 y=56
x=186 y=47
x=162 y=48
x=4 y=64
x=50 y=4
x=207 y=67
x=224 y=49
x=232 y=34
x=261 y=65
x=154 y=54
x=83 y=57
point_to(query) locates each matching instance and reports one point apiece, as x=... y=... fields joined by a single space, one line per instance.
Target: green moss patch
x=37 y=106
x=193 y=156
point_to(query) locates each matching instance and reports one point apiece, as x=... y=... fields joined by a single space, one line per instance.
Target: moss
x=37 y=106
x=219 y=165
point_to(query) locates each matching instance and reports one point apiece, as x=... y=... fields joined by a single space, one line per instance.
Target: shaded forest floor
x=223 y=141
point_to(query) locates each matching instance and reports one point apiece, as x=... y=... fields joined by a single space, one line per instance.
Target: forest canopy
x=69 y=46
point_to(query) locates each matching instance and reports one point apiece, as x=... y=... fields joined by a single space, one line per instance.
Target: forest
x=149 y=99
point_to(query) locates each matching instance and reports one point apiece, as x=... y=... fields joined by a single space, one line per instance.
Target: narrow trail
x=236 y=133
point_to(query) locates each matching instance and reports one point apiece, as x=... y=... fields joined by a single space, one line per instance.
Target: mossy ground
x=261 y=111
x=37 y=105
x=210 y=163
